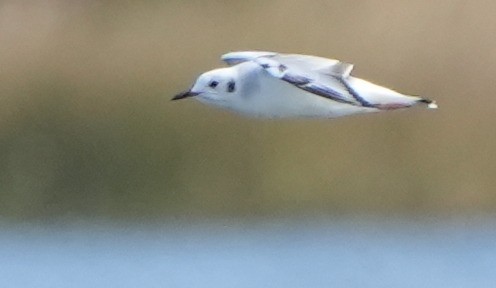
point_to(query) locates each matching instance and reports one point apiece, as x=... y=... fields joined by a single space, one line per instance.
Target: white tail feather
x=432 y=105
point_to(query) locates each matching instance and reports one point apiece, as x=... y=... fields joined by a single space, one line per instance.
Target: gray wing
x=296 y=61
x=234 y=58
x=327 y=80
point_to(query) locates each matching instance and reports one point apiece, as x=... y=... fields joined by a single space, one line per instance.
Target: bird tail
x=430 y=103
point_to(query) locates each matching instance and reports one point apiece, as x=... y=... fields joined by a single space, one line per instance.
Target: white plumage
x=269 y=84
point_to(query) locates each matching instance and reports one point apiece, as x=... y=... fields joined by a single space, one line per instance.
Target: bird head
x=216 y=87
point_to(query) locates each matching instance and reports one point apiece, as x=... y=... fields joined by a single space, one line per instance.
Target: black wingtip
x=425 y=100
x=430 y=103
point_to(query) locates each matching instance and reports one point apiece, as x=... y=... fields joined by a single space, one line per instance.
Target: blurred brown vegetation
x=87 y=128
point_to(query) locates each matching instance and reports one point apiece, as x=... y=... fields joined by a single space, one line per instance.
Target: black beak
x=185 y=94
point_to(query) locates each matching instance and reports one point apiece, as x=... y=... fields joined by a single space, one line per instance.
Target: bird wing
x=300 y=61
x=234 y=58
x=320 y=76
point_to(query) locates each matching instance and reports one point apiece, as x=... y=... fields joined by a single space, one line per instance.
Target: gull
x=277 y=85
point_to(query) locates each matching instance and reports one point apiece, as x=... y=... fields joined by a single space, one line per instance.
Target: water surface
x=274 y=254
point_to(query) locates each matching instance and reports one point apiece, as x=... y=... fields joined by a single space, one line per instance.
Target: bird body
x=273 y=85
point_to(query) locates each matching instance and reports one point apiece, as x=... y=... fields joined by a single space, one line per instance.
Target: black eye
x=231 y=86
x=213 y=84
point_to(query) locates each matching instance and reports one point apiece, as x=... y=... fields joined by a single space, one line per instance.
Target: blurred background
x=89 y=140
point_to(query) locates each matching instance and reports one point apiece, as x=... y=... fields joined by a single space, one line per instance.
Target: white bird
x=276 y=85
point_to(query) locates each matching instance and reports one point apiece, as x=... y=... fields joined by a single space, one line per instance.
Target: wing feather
x=234 y=58
x=320 y=76
x=296 y=61
x=334 y=87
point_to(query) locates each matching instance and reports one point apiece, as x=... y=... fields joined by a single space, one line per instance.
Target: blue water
x=275 y=254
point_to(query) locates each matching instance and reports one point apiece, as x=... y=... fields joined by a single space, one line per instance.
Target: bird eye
x=231 y=86
x=213 y=84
